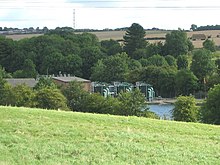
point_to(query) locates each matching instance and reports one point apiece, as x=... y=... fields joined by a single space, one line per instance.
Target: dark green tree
x=185 y=109
x=48 y=98
x=75 y=96
x=202 y=64
x=177 y=43
x=182 y=62
x=24 y=96
x=193 y=27
x=134 y=39
x=157 y=60
x=185 y=82
x=113 y=68
x=210 y=111
x=171 y=61
x=132 y=103
x=90 y=56
x=111 y=47
x=209 y=45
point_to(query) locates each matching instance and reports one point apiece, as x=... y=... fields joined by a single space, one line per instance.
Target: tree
x=45 y=82
x=171 y=61
x=24 y=96
x=134 y=39
x=90 y=55
x=210 y=111
x=6 y=93
x=113 y=68
x=177 y=43
x=182 y=62
x=193 y=27
x=29 y=70
x=202 y=64
x=75 y=96
x=209 y=45
x=185 y=109
x=132 y=103
x=157 y=60
x=111 y=47
x=48 y=98
x=185 y=82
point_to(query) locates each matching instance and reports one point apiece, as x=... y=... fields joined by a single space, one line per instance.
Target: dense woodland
x=173 y=68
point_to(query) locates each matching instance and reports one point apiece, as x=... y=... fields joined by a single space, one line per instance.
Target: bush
x=23 y=96
x=210 y=112
x=185 y=109
x=132 y=103
x=50 y=99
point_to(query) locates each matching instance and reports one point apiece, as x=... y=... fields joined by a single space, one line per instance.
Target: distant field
x=117 y=35
x=33 y=136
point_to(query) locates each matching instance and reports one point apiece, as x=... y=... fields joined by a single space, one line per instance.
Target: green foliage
x=177 y=43
x=24 y=96
x=45 y=82
x=182 y=62
x=134 y=39
x=185 y=109
x=111 y=47
x=6 y=93
x=90 y=55
x=3 y=73
x=48 y=98
x=185 y=82
x=202 y=64
x=113 y=68
x=171 y=61
x=75 y=96
x=211 y=109
x=154 y=48
x=209 y=45
x=162 y=79
x=132 y=103
x=157 y=60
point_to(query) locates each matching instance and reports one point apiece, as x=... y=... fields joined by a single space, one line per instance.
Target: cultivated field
x=118 y=35
x=33 y=136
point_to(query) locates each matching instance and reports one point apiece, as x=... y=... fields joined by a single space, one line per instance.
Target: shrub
x=48 y=98
x=185 y=109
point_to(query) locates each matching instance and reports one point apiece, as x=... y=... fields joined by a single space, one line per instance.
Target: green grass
x=31 y=136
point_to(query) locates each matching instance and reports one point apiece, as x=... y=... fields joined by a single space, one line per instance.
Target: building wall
x=86 y=85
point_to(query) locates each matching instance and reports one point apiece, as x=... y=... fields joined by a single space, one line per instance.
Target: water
x=162 y=110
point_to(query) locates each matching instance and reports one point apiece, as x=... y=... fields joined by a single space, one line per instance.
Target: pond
x=162 y=110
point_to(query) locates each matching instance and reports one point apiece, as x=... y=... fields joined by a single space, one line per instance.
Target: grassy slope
x=29 y=136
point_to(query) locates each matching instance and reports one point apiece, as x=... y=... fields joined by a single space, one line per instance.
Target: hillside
x=31 y=136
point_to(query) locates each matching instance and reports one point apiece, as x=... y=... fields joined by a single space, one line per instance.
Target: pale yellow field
x=117 y=35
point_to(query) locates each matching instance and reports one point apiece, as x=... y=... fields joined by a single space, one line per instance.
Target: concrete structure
x=31 y=82
x=65 y=80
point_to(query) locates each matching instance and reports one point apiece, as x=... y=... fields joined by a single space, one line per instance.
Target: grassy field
x=31 y=136
x=118 y=35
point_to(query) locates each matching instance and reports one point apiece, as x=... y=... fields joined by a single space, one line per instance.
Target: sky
x=101 y=14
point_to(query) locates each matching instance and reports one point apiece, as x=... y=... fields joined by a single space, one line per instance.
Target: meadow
x=35 y=136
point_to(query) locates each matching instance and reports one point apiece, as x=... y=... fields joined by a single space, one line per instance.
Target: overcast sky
x=100 y=14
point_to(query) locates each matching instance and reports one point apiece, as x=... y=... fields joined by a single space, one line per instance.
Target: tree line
x=173 y=68
x=47 y=95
